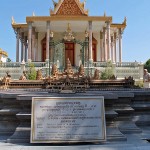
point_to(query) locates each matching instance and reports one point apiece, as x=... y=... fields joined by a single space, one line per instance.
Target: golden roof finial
x=69 y=28
x=12 y=20
x=83 y=4
x=54 y=3
x=104 y=14
x=125 y=21
x=33 y=14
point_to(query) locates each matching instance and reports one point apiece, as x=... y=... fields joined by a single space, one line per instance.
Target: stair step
x=127 y=127
x=9 y=111
x=110 y=114
x=24 y=115
x=141 y=120
x=113 y=134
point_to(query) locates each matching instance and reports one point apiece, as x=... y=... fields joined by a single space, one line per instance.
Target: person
x=146 y=76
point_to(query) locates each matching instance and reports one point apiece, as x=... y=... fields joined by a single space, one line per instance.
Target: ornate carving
x=69 y=7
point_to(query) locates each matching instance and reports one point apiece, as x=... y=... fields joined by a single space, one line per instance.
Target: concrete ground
x=133 y=143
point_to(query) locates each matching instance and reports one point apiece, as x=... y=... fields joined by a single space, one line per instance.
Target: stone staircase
x=127 y=114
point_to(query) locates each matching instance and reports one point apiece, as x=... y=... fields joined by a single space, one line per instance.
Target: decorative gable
x=69 y=8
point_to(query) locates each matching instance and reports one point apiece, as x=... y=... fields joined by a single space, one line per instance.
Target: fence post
x=22 y=65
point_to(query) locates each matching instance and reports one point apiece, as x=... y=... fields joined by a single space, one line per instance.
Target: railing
x=121 y=70
x=10 y=65
x=127 y=64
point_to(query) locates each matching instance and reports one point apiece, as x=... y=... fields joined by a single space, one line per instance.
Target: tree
x=147 y=65
x=8 y=60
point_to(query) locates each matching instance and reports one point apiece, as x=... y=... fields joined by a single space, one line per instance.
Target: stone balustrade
x=120 y=70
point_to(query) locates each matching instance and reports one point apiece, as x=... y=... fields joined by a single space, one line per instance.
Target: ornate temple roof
x=69 y=7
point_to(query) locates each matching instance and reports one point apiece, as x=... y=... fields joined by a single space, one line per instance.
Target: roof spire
x=54 y=3
x=104 y=13
x=12 y=20
x=33 y=14
x=125 y=21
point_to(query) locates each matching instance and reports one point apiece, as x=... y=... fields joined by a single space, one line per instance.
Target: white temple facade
x=69 y=32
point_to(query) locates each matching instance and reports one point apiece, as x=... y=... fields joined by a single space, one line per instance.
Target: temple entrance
x=69 y=52
x=94 y=46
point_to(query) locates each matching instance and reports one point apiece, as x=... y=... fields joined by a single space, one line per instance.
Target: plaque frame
x=103 y=129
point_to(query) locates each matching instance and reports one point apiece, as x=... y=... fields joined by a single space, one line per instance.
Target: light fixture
x=68 y=34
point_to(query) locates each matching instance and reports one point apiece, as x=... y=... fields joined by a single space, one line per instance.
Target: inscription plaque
x=67 y=119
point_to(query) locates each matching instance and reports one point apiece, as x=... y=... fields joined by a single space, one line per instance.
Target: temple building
x=69 y=32
x=3 y=55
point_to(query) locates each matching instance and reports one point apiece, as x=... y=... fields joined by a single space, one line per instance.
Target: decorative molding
x=69 y=7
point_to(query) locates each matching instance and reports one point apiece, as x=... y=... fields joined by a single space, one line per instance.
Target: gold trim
x=71 y=18
x=18 y=25
x=118 y=25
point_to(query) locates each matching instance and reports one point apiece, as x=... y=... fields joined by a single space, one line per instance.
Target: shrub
x=31 y=72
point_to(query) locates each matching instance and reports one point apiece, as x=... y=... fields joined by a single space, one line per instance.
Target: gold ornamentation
x=69 y=7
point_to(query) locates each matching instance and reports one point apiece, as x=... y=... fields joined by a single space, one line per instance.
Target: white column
x=120 y=45
x=104 y=44
x=22 y=46
x=101 y=47
x=29 y=40
x=17 y=45
x=90 y=42
x=112 y=48
x=108 y=41
x=33 y=45
x=115 y=47
x=36 y=45
x=47 y=40
x=26 y=48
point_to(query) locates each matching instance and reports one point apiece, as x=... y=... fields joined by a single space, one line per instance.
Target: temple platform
x=127 y=119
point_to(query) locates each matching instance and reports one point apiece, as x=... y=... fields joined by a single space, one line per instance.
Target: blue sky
x=136 y=37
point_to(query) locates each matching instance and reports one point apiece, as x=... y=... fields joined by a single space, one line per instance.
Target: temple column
x=26 y=49
x=86 y=46
x=108 y=41
x=17 y=45
x=47 y=40
x=29 y=40
x=101 y=47
x=33 y=45
x=120 y=45
x=104 y=44
x=115 y=47
x=112 y=48
x=90 y=42
x=22 y=46
x=36 y=40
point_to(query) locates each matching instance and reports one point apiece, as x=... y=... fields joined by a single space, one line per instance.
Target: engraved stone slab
x=68 y=119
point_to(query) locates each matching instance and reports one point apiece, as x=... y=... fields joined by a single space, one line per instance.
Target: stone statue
x=39 y=75
x=96 y=75
x=6 y=80
x=24 y=76
x=54 y=71
x=146 y=76
x=81 y=70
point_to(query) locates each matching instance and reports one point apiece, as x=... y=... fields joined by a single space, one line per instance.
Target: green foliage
x=8 y=60
x=108 y=73
x=139 y=84
x=31 y=72
x=147 y=65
